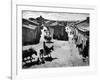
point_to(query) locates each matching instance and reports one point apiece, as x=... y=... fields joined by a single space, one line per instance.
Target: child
x=41 y=56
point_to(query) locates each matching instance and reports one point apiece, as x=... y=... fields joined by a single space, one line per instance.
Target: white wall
x=5 y=35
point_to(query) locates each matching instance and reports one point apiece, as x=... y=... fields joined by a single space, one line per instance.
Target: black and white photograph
x=55 y=39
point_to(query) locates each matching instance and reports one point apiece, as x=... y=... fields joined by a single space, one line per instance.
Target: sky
x=55 y=15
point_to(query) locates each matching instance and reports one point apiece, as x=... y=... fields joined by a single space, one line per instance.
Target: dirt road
x=65 y=54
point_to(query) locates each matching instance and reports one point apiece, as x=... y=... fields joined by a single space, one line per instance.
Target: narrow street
x=65 y=54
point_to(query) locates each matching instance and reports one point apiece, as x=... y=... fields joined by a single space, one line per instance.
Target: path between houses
x=65 y=54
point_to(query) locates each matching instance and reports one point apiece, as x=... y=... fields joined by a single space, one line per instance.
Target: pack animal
x=27 y=55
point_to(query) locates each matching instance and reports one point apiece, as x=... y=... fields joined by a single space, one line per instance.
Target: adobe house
x=31 y=32
x=82 y=31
